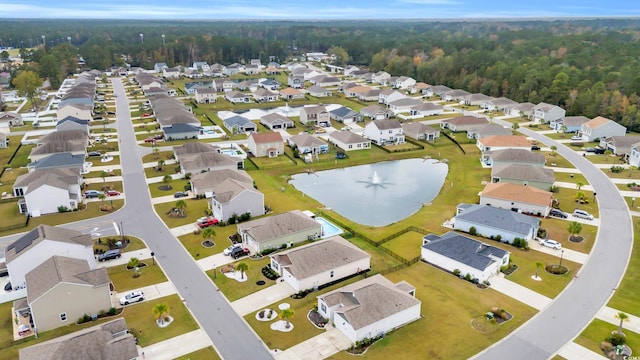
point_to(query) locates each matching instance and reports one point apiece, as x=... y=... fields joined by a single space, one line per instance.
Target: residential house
x=282 y=229
x=272 y=70
x=147 y=81
x=426 y=109
x=62 y=289
x=64 y=160
x=316 y=115
x=403 y=105
x=201 y=66
x=420 y=131
x=349 y=69
x=404 y=82
x=375 y=112
x=436 y=90
x=344 y=114
x=488 y=130
x=206 y=95
x=325 y=81
x=190 y=88
x=4 y=143
x=349 y=141
x=291 y=94
x=515 y=197
x=601 y=127
x=307 y=144
x=233 y=197
x=318 y=91
x=46 y=191
x=264 y=95
x=619 y=145
x=523 y=110
x=237 y=97
x=353 y=91
x=79 y=111
x=222 y=85
x=275 y=121
x=171 y=73
x=344 y=87
x=320 y=263
x=233 y=69
x=252 y=69
x=514 y=156
x=544 y=113
x=203 y=183
x=568 y=124
x=387 y=96
x=419 y=87
x=181 y=132
x=70 y=141
x=180 y=152
x=501 y=142
x=248 y=85
x=453 y=251
x=10 y=119
x=380 y=77
x=492 y=221
x=239 y=124
x=531 y=175
x=498 y=104
x=44 y=241
x=296 y=82
x=109 y=340
x=476 y=99
x=266 y=144
x=384 y=132
x=457 y=95
x=463 y=123
x=158 y=67
x=370 y=307
x=270 y=84
x=71 y=123
x=634 y=155
x=209 y=161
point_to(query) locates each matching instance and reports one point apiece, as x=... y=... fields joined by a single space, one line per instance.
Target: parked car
x=598 y=150
x=113 y=193
x=92 y=194
x=109 y=255
x=341 y=156
x=535 y=147
x=150 y=140
x=558 y=213
x=159 y=137
x=551 y=243
x=208 y=222
x=576 y=138
x=582 y=214
x=238 y=252
x=94 y=153
x=111 y=113
x=230 y=249
x=146 y=115
x=180 y=194
x=134 y=296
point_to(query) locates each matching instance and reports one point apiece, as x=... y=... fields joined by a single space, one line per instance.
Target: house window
x=350 y=146
x=63 y=316
x=323 y=308
x=331 y=275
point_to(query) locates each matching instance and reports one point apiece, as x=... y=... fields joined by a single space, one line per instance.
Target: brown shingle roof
x=505 y=140
x=518 y=193
x=523 y=172
x=205 y=181
x=268 y=137
x=347 y=137
x=596 y=122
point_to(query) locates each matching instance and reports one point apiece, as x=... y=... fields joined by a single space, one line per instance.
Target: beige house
x=272 y=232
x=109 y=340
x=313 y=265
x=203 y=183
x=201 y=162
x=266 y=144
x=63 y=289
x=10 y=119
x=317 y=115
x=206 y=95
x=501 y=142
x=420 y=131
x=236 y=197
x=78 y=111
x=463 y=123
x=348 y=141
x=530 y=175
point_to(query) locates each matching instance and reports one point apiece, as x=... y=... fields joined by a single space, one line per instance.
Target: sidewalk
x=573 y=351
x=140 y=254
x=216 y=260
x=177 y=346
x=183 y=230
x=519 y=292
x=262 y=298
x=569 y=185
x=151 y=292
x=318 y=347
x=158 y=179
x=609 y=315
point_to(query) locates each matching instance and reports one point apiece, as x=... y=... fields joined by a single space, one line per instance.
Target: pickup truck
x=207 y=222
x=239 y=252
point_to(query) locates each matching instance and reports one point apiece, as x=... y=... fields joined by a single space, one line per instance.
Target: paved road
x=557 y=324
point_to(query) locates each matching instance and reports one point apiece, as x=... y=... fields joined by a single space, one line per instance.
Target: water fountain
x=375 y=179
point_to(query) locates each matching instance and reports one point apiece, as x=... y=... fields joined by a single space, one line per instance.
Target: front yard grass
x=106 y=185
x=195 y=209
x=123 y=279
x=406 y=245
x=567 y=202
x=176 y=185
x=570 y=177
x=207 y=353
x=234 y=289
x=193 y=242
x=134 y=243
x=162 y=155
x=448 y=305
x=98 y=174
x=558 y=229
x=598 y=330
x=555 y=160
x=627 y=296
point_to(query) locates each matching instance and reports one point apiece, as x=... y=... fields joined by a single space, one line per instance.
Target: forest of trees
x=589 y=67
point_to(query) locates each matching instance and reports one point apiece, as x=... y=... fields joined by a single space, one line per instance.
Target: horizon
x=279 y=10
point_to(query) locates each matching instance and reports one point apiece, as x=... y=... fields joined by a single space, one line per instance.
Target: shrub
x=112 y=311
x=467 y=277
x=616 y=169
x=261 y=314
x=456 y=272
x=607 y=347
x=498 y=237
x=616 y=339
x=63 y=209
x=472 y=230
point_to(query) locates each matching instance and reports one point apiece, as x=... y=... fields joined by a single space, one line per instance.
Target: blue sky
x=305 y=9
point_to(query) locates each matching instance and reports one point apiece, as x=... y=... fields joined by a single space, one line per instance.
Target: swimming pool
x=328 y=229
x=230 y=152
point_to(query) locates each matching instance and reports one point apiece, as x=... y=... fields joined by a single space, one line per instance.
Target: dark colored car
x=598 y=151
x=341 y=156
x=150 y=140
x=109 y=254
x=111 y=113
x=95 y=153
x=7 y=287
x=180 y=194
x=535 y=147
x=558 y=213
x=238 y=252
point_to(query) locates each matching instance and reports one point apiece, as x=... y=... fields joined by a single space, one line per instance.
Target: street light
x=214 y=271
x=561 y=254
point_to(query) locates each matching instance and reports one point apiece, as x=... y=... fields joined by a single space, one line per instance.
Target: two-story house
x=385 y=132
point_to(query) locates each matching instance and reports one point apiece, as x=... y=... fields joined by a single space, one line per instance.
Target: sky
x=309 y=10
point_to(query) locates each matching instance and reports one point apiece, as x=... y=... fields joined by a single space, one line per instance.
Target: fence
x=454 y=141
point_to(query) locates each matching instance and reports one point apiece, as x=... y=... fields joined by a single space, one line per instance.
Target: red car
x=150 y=140
x=113 y=193
x=146 y=115
x=208 y=222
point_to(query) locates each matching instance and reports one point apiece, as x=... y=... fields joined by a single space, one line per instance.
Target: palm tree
x=606 y=155
x=160 y=164
x=579 y=185
x=242 y=267
x=208 y=233
x=539 y=264
x=156 y=151
x=133 y=264
x=285 y=315
x=103 y=175
x=575 y=228
x=553 y=149
x=102 y=196
x=622 y=317
x=161 y=311
x=181 y=205
x=579 y=197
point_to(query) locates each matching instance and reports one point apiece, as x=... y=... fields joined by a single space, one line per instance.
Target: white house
x=515 y=197
x=491 y=221
x=204 y=183
x=313 y=265
x=426 y=109
x=601 y=127
x=384 y=132
x=544 y=113
x=236 y=97
x=370 y=308
x=501 y=142
x=453 y=251
x=275 y=121
x=349 y=141
x=44 y=191
x=375 y=112
x=41 y=243
x=282 y=229
x=232 y=196
x=404 y=82
x=79 y=111
x=380 y=77
x=463 y=123
x=307 y=144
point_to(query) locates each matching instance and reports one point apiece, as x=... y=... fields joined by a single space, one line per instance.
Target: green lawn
x=604 y=159
x=106 y=185
x=558 y=229
x=631 y=174
x=176 y=185
x=234 y=289
x=97 y=174
x=277 y=162
x=134 y=243
x=568 y=203
x=195 y=209
x=555 y=160
x=598 y=330
x=166 y=155
x=207 y=353
x=406 y=245
x=123 y=279
x=627 y=296
x=571 y=178
x=193 y=242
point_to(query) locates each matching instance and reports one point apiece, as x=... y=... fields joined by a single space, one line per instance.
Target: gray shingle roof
x=517 y=155
x=193 y=148
x=45 y=232
x=204 y=182
x=347 y=137
x=387 y=124
x=464 y=250
x=499 y=219
x=211 y=160
x=343 y=112
x=56 y=160
x=272 y=227
x=305 y=140
x=523 y=172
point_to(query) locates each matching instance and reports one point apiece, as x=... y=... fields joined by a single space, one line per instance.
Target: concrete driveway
x=317 y=348
x=151 y=292
x=262 y=298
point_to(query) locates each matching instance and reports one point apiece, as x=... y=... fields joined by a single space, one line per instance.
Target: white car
x=551 y=243
x=576 y=138
x=134 y=296
x=228 y=250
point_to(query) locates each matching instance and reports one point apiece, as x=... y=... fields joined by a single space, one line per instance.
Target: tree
x=553 y=149
x=160 y=164
x=208 y=233
x=579 y=197
x=103 y=175
x=342 y=56
x=622 y=317
x=181 y=205
x=133 y=264
x=579 y=185
x=102 y=196
x=166 y=178
x=539 y=264
x=575 y=228
x=27 y=83
x=285 y=315
x=242 y=267
x=161 y=311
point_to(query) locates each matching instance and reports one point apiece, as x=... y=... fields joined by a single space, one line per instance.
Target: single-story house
x=45 y=191
x=344 y=114
x=619 y=145
x=270 y=84
x=456 y=95
x=403 y=105
x=317 y=115
x=266 y=144
x=521 y=109
x=109 y=340
x=426 y=109
x=39 y=244
x=544 y=113
x=515 y=197
x=190 y=148
x=181 y=131
x=420 y=131
x=264 y=95
x=203 y=183
x=501 y=142
x=370 y=307
x=282 y=229
x=568 y=124
x=237 y=97
x=384 y=132
x=498 y=104
x=491 y=221
x=322 y=262
x=59 y=160
x=437 y=90
x=295 y=81
x=201 y=162
x=10 y=119
x=275 y=121
x=318 y=91
x=530 y=175
x=62 y=289
x=375 y=112
x=291 y=93
x=77 y=110
x=601 y=127
x=514 y=156
x=463 y=123
x=307 y=144
x=239 y=124
x=349 y=141
x=236 y=197
x=476 y=99
x=488 y=130
x=453 y=251
x=366 y=95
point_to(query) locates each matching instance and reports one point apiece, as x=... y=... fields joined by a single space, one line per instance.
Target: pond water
x=376 y=194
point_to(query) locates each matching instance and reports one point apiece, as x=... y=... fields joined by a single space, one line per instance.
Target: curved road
x=571 y=311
